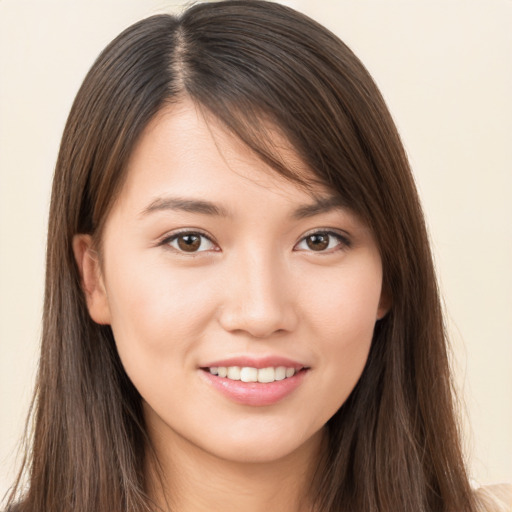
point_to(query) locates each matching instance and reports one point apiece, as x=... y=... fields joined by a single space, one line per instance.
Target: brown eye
x=190 y=242
x=323 y=241
x=318 y=241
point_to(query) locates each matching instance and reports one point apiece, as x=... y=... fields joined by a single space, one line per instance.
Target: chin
x=259 y=447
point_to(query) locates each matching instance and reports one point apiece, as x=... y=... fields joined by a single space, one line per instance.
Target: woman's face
x=216 y=272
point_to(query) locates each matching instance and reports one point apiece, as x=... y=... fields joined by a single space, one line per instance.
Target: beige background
x=445 y=68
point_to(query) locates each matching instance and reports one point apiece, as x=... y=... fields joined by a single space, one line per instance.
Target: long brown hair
x=394 y=444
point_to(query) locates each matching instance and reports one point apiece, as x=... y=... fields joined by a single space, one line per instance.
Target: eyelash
x=343 y=241
x=186 y=232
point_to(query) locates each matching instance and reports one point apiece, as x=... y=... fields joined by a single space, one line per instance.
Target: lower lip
x=256 y=394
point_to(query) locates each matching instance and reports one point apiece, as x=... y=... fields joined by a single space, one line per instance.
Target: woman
x=241 y=310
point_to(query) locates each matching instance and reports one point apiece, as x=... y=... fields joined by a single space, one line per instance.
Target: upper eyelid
x=166 y=240
x=185 y=231
x=327 y=230
x=343 y=237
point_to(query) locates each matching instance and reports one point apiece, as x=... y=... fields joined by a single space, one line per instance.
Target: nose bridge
x=258 y=296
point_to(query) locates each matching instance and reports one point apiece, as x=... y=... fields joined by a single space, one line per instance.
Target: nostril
x=257 y=324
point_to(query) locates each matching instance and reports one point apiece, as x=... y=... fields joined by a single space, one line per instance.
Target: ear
x=384 y=305
x=91 y=279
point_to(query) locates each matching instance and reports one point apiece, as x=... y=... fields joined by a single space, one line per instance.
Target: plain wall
x=445 y=68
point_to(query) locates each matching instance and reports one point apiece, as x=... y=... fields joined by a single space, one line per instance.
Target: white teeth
x=266 y=375
x=280 y=373
x=248 y=374
x=234 y=372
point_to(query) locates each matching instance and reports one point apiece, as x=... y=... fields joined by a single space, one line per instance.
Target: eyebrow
x=185 y=205
x=320 y=205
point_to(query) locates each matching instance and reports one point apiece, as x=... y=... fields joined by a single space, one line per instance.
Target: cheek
x=155 y=310
x=343 y=312
x=344 y=305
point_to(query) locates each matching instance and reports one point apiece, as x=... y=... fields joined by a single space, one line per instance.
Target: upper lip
x=256 y=362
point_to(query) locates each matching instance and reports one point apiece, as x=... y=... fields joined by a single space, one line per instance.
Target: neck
x=191 y=480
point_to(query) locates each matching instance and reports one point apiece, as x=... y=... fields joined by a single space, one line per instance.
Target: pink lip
x=255 y=394
x=252 y=362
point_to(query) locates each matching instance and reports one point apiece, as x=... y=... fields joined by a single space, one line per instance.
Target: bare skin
x=227 y=486
x=209 y=256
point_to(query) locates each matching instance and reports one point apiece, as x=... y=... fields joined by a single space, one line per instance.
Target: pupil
x=189 y=243
x=318 y=242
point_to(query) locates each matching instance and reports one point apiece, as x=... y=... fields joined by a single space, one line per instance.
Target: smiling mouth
x=250 y=374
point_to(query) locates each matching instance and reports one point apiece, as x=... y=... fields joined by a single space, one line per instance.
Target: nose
x=258 y=298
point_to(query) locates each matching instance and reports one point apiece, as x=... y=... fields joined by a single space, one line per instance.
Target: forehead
x=184 y=150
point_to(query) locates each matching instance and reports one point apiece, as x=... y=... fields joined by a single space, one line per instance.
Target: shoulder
x=494 y=498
